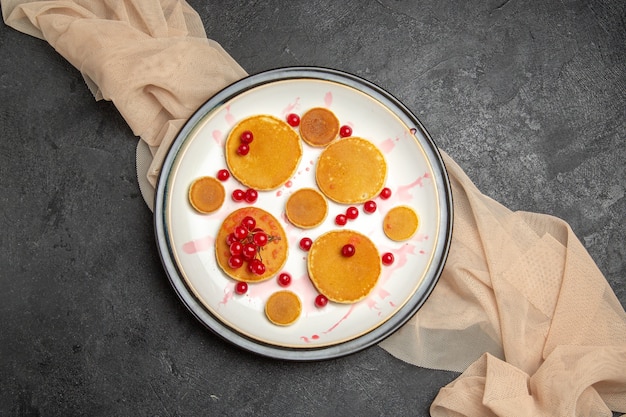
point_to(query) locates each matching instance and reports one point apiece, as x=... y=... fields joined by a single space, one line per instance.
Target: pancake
x=343 y=279
x=206 y=194
x=275 y=152
x=400 y=223
x=351 y=170
x=283 y=308
x=274 y=254
x=319 y=126
x=306 y=208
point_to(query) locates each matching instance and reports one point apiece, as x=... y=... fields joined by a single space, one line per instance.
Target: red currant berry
x=352 y=213
x=284 y=279
x=385 y=193
x=243 y=149
x=248 y=251
x=348 y=250
x=235 y=248
x=305 y=243
x=248 y=222
x=238 y=195
x=246 y=137
x=256 y=267
x=260 y=239
x=321 y=301
x=369 y=206
x=345 y=131
x=240 y=232
x=241 y=288
x=387 y=258
x=230 y=239
x=235 y=262
x=341 y=220
x=223 y=174
x=251 y=195
x=293 y=120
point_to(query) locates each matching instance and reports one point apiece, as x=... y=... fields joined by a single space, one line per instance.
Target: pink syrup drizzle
x=230 y=119
x=373 y=305
x=331 y=328
x=218 y=137
x=289 y=227
x=420 y=237
x=401 y=255
x=199 y=245
x=328 y=99
x=387 y=145
x=383 y=293
x=334 y=326
x=404 y=193
x=228 y=294
x=291 y=107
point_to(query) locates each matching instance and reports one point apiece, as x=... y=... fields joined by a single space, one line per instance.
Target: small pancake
x=274 y=254
x=306 y=208
x=400 y=223
x=274 y=153
x=283 y=308
x=319 y=126
x=351 y=170
x=343 y=279
x=206 y=194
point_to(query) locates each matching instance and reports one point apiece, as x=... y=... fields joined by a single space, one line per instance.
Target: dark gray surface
x=528 y=97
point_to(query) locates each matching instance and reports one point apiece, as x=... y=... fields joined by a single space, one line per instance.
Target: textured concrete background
x=528 y=97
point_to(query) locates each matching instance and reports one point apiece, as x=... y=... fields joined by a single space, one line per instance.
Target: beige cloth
x=521 y=307
x=522 y=287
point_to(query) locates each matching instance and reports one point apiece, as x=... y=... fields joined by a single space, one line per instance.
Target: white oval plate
x=416 y=176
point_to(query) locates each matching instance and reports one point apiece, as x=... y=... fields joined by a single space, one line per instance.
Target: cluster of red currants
x=249 y=195
x=369 y=207
x=245 y=243
x=246 y=139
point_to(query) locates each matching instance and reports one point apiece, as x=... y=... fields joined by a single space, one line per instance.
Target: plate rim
x=214 y=324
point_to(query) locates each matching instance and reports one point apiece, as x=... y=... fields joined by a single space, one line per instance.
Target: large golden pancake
x=206 y=194
x=400 y=223
x=319 y=126
x=306 y=208
x=275 y=152
x=351 y=170
x=344 y=279
x=273 y=255
x=283 y=308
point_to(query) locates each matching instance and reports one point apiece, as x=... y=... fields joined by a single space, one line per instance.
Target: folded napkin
x=521 y=307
